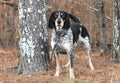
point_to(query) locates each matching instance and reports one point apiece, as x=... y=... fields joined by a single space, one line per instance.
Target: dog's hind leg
x=90 y=60
x=87 y=44
x=71 y=72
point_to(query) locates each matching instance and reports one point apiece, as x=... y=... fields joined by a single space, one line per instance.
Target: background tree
x=116 y=32
x=33 y=45
x=101 y=25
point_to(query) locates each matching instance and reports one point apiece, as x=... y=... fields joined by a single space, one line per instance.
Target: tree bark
x=102 y=26
x=116 y=32
x=72 y=7
x=33 y=44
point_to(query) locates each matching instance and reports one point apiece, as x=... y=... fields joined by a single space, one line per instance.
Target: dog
x=65 y=36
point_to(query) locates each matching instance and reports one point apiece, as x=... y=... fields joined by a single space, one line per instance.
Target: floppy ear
x=67 y=23
x=51 y=23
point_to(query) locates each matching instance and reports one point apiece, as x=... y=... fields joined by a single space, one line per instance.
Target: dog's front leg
x=57 y=73
x=53 y=46
x=71 y=71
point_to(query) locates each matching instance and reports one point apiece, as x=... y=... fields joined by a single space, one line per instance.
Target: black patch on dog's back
x=84 y=32
x=76 y=31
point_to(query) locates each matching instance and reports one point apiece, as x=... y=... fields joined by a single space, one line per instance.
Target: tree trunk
x=116 y=32
x=102 y=26
x=33 y=45
x=72 y=7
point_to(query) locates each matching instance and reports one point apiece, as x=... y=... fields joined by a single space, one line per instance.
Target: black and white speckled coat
x=65 y=37
x=64 y=42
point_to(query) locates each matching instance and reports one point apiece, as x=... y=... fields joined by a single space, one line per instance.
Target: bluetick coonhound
x=65 y=36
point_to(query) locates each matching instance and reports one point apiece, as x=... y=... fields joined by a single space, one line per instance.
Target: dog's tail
x=75 y=19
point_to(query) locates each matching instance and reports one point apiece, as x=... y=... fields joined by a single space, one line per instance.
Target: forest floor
x=105 y=71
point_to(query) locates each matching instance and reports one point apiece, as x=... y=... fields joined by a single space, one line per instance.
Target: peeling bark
x=116 y=32
x=33 y=45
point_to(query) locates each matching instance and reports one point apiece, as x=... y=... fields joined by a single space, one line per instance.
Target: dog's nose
x=59 y=21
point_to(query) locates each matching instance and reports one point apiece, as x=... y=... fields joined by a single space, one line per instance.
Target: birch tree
x=33 y=45
x=116 y=32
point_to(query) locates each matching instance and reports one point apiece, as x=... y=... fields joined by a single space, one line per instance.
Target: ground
x=105 y=71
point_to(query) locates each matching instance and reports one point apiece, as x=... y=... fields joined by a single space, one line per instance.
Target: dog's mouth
x=59 y=25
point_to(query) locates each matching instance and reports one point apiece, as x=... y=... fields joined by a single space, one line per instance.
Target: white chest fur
x=65 y=42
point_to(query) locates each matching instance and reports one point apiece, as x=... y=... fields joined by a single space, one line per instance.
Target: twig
x=7 y=2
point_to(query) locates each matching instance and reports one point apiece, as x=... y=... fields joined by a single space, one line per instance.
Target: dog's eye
x=55 y=15
x=62 y=15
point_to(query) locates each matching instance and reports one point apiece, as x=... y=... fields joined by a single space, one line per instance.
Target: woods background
x=88 y=11
x=101 y=19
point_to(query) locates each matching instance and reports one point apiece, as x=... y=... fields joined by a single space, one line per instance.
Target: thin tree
x=116 y=32
x=33 y=45
x=102 y=25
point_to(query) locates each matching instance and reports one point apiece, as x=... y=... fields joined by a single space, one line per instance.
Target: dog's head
x=59 y=20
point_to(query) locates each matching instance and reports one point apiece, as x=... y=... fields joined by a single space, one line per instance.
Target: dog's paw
x=72 y=77
x=92 y=69
x=71 y=73
x=56 y=75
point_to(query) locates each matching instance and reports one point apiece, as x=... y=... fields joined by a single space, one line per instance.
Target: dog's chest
x=65 y=42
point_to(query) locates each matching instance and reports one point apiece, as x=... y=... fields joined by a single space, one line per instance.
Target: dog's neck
x=60 y=34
